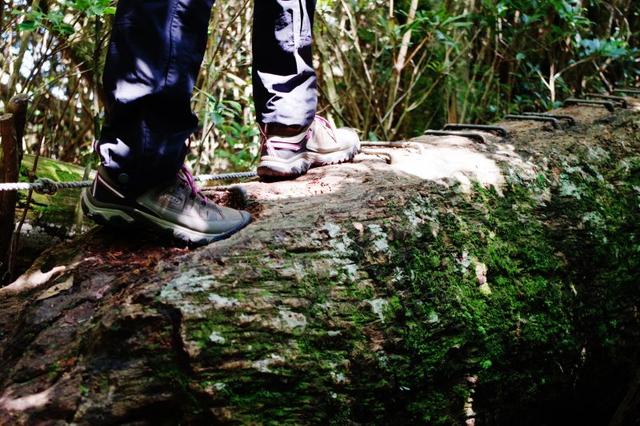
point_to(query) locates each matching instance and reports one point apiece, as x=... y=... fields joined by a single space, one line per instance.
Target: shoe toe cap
x=348 y=137
x=233 y=219
x=246 y=216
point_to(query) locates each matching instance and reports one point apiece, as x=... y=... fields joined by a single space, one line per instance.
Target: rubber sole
x=123 y=217
x=272 y=167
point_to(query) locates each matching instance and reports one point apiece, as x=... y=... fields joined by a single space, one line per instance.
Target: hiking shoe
x=176 y=208
x=293 y=155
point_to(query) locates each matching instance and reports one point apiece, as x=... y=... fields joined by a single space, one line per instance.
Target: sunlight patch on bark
x=36 y=400
x=32 y=279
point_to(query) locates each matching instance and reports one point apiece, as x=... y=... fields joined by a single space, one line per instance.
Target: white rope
x=48 y=186
x=226 y=176
x=22 y=186
x=43 y=186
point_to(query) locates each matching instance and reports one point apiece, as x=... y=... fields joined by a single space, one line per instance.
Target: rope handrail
x=48 y=186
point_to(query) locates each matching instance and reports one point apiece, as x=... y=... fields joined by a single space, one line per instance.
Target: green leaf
x=28 y=25
x=486 y=364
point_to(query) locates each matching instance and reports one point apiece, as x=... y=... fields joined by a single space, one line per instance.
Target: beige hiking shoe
x=176 y=208
x=289 y=156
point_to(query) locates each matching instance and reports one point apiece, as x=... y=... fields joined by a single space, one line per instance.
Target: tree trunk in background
x=18 y=107
x=9 y=172
x=361 y=293
x=628 y=411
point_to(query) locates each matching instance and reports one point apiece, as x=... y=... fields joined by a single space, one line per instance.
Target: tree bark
x=9 y=173
x=2 y=14
x=628 y=411
x=18 y=107
x=308 y=315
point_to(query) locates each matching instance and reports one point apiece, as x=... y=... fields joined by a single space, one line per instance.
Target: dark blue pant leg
x=152 y=64
x=155 y=52
x=284 y=81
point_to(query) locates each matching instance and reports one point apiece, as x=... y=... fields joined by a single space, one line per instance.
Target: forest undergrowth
x=388 y=68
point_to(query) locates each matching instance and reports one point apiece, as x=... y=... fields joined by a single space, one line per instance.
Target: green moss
x=551 y=333
x=51 y=169
x=54 y=370
x=524 y=339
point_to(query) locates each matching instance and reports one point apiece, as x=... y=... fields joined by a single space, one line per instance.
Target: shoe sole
x=123 y=217
x=300 y=164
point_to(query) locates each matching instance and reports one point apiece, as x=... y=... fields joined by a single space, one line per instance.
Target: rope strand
x=48 y=186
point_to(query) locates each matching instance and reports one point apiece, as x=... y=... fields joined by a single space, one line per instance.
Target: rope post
x=18 y=107
x=9 y=172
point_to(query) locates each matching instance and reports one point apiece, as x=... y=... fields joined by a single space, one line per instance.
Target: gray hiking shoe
x=176 y=208
x=293 y=155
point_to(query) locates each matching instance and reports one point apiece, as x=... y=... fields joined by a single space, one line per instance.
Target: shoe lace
x=327 y=125
x=186 y=177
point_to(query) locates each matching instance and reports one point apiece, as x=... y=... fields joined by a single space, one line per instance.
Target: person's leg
x=153 y=60
x=292 y=138
x=284 y=81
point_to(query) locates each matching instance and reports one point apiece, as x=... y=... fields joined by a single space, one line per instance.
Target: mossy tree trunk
x=494 y=282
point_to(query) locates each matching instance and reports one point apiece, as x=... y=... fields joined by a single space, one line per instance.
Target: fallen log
x=447 y=281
